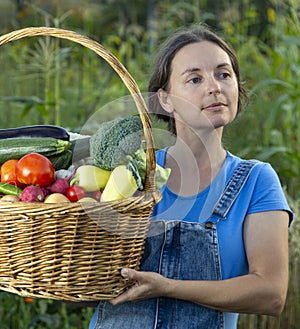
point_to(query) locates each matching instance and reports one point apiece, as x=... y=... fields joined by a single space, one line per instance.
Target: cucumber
x=35 y=131
x=62 y=160
x=15 y=148
x=79 y=149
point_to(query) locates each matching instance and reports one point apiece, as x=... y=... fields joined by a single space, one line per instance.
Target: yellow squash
x=121 y=184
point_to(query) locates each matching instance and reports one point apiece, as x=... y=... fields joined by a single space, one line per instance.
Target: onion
x=87 y=199
x=56 y=198
x=9 y=198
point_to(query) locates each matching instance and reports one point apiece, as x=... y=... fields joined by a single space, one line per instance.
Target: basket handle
x=120 y=70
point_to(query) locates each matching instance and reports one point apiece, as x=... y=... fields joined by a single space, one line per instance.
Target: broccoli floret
x=116 y=141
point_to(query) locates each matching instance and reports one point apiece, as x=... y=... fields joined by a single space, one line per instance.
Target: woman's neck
x=194 y=164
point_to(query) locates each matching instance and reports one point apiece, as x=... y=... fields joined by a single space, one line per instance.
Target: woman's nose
x=214 y=87
x=215 y=92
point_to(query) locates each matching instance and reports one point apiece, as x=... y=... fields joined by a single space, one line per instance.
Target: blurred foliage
x=55 y=81
x=273 y=71
x=27 y=313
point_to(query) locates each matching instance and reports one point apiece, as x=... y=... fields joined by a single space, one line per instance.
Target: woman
x=208 y=256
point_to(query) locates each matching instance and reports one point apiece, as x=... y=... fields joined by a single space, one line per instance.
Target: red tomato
x=35 y=169
x=75 y=193
x=8 y=172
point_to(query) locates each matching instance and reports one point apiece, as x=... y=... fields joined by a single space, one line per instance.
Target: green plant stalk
x=297 y=116
x=47 y=79
x=57 y=118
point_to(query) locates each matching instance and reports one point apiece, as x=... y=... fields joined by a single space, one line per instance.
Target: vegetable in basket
x=10 y=189
x=119 y=142
x=15 y=148
x=75 y=193
x=121 y=185
x=8 y=172
x=62 y=160
x=33 y=193
x=91 y=178
x=35 y=169
x=137 y=165
x=60 y=185
x=9 y=198
x=35 y=131
x=56 y=198
x=115 y=140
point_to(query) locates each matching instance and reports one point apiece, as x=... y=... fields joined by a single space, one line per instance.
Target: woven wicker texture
x=70 y=251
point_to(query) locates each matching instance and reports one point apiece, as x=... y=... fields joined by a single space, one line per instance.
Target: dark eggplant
x=36 y=131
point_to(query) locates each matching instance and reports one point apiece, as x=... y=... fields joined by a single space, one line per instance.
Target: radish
x=62 y=181
x=61 y=185
x=32 y=193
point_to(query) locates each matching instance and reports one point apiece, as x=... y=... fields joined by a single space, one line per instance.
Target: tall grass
x=272 y=73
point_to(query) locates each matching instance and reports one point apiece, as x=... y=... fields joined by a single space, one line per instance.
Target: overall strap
x=233 y=188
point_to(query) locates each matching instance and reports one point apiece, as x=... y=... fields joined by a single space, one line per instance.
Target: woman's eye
x=194 y=80
x=225 y=75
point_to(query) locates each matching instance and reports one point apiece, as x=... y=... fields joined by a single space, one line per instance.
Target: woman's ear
x=165 y=100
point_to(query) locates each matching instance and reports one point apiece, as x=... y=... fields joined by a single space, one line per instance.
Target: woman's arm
x=262 y=291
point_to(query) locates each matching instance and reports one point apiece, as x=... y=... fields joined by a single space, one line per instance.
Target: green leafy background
x=51 y=81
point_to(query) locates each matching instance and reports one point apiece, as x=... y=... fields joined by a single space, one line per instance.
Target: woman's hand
x=145 y=285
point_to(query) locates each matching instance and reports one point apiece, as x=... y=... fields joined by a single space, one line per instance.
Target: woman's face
x=203 y=88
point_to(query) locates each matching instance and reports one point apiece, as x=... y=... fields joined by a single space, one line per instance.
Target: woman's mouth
x=214 y=106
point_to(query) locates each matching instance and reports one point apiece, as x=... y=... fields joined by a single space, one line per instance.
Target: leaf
x=268 y=152
x=26 y=110
x=42 y=109
x=270 y=83
x=272 y=118
x=32 y=100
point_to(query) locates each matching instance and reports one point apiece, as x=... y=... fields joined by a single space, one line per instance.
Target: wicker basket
x=67 y=251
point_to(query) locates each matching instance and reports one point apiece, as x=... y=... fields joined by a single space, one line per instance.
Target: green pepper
x=6 y=188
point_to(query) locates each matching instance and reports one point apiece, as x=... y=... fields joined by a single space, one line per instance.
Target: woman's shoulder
x=264 y=186
x=262 y=173
x=233 y=161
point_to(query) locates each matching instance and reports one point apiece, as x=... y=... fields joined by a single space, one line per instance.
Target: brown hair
x=162 y=68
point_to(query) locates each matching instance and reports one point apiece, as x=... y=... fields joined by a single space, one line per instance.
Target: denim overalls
x=183 y=251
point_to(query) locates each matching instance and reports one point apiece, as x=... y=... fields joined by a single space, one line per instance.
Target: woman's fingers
x=144 y=285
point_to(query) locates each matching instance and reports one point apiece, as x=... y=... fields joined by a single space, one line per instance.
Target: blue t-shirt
x=261 y=192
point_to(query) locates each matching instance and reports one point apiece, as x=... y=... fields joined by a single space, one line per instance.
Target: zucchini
x=61 y=160
x=35 y=131
x=15 y=148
